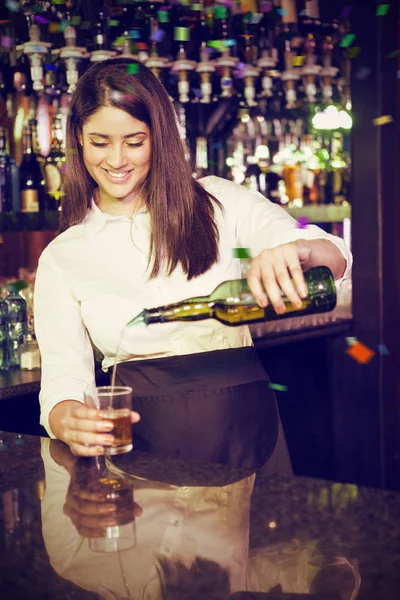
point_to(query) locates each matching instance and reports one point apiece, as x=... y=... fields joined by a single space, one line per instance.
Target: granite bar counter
x=143 y=527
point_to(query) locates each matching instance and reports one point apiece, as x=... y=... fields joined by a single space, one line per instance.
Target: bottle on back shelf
x=9 y=176
x=4 y=338
x=54 y=164
x=33 y=193
x=17 y=320
x=232 y=303
x=29 y=353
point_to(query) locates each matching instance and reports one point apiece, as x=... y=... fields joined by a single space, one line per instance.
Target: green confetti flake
x=76 y=20
x=163 y=16
x=393 y=54
x=119 y=41
x=382 y=10
x=278 y=387
x=132 y=69
x=196 y=7
x=241 y=253
x=347 y=40
x=181 y=34
x=58 y=1
x=113 y=23
x=220 y=12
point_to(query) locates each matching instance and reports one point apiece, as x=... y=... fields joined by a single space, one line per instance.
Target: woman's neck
x=118 y=207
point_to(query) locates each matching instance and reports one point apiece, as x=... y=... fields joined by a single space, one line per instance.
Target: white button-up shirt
x=92 y=280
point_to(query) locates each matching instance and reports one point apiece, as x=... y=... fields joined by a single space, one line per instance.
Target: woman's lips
x=118 y=179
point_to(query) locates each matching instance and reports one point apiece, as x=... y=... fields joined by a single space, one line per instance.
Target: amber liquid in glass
x=122 y=432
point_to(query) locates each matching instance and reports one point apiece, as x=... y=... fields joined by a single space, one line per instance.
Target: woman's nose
x=116 y=158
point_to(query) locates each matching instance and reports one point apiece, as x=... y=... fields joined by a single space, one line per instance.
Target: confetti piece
x=41 y=20
x=163 y=16
x=196 y=7
x=241 y=253
x=383 y=120
x=351 y=341
x=281 y=11
x=353 y=52
x=12 y=5
x=158 y=35
x=76 y=20
x=382 y=10
x=134 y=34
x=220 y=12
x=302 y=222
x=256 y=18
x=132 y=69
x=50 y=67
x=58 y=1
x=303 y=13
x=363 y=73
x=345 y=13
x=5 y=41
x=298 y=61
x=393 y=54
x=119 y=41
x=278 y=387
x=347 y=40
x=361 y=353
x=266 y=6
x=181 y=34
x=53 y=27
x=113 y=23
x=383 y=351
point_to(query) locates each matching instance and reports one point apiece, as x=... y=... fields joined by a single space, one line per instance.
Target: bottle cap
x=16 y=286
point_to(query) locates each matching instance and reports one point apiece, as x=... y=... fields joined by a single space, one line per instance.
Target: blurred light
x=260 y=118
x=272 y=524
x=245 y=118
x=229 y=161
x=345 y=120
x=262 y=152
x=330 y=119
x=251 y=160
x=19 y=123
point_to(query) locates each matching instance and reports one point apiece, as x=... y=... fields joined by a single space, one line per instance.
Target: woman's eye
x=103 y=145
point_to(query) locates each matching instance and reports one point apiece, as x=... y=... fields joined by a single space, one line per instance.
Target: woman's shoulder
x=67 y=243
x=223 y=189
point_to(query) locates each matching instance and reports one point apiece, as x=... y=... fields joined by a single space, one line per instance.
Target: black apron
x=212 y=406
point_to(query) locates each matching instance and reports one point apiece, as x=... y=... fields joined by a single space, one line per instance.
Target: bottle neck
x=28 y=143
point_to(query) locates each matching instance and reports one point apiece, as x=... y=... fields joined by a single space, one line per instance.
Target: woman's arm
x=323 y=252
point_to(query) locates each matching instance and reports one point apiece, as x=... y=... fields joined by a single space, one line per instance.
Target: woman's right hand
x=85 y=431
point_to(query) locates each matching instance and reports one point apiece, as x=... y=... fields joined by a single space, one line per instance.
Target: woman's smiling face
x=116 y=152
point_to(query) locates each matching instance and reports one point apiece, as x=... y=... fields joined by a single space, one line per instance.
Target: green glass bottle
x=232 y=303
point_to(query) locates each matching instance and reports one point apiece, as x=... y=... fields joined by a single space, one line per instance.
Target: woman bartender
x=138 y=231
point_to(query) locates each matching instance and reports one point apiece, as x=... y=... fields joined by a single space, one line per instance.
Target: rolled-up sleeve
x=65 y=348
x=262 y=225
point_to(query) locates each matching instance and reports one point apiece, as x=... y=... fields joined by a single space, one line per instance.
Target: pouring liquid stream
x=138 y=319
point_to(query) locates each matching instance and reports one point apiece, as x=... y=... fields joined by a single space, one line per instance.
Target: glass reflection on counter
x=192 y=541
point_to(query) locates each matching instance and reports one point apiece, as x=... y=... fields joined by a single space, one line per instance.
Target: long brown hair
x=183 y=227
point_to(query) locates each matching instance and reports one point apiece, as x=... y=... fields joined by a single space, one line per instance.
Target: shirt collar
x=96 y=219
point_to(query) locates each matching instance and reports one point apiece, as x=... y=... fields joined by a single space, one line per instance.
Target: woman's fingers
x=283 y=261
x=271 y=276
x=135 y=417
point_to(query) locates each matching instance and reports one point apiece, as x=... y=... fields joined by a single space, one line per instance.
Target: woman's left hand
x=272 y=272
